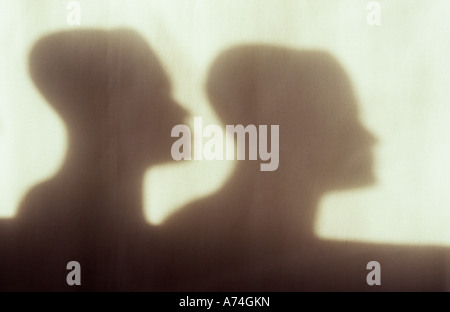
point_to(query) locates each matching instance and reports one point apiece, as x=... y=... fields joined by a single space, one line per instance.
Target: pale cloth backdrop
x=399 y=70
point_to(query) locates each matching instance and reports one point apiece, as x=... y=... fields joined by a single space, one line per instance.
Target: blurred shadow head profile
x=107 y=84
x=114 y=98
x=261 y=219
x=307 y=93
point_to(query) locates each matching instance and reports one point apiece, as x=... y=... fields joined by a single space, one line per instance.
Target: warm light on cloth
x=398 y=69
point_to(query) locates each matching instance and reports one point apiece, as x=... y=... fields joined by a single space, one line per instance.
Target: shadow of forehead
x=95 y=65
x=101 y=55
x=263 y=82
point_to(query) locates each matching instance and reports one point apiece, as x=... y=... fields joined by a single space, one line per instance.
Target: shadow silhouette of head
x=323 y=145
x=111 y=92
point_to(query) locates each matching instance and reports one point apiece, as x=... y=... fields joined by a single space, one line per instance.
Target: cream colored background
x=399 y=69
